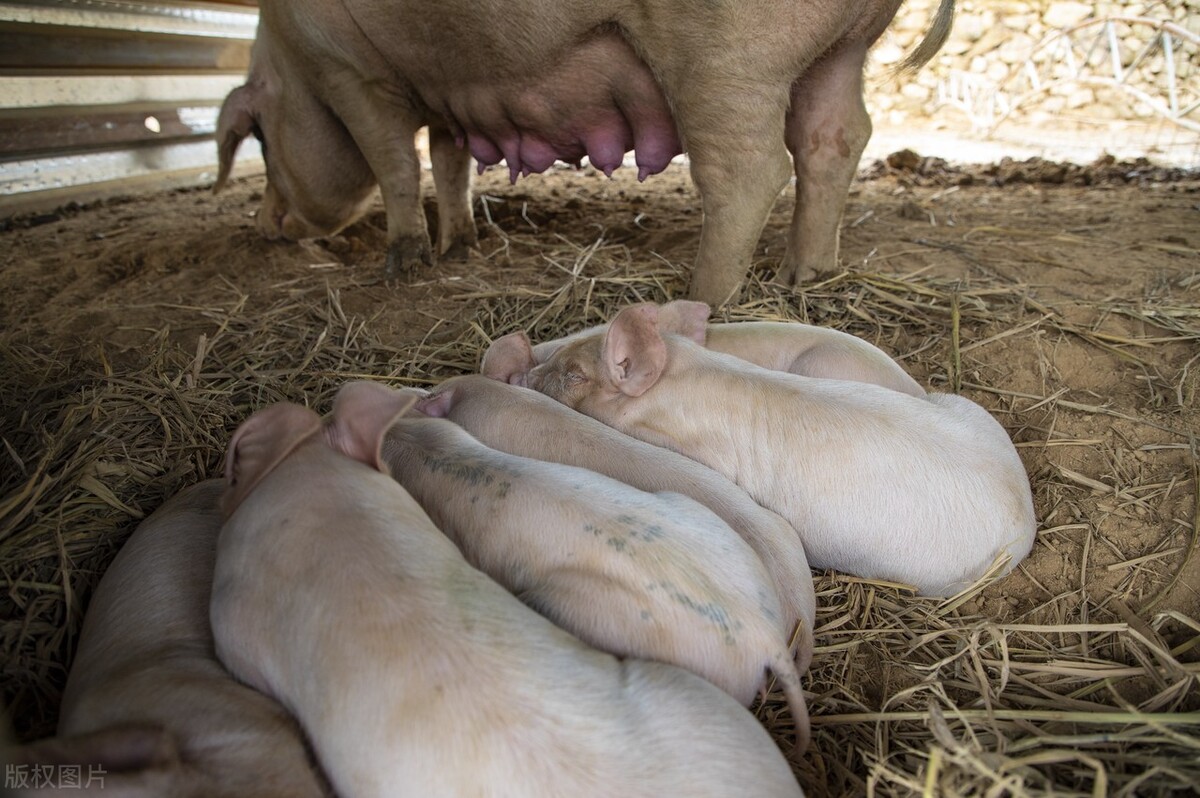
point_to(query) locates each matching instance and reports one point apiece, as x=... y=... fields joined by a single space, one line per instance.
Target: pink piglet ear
x=437 y=404
x=509 y=359
x=634 y=352
x=363 y=411
x=686 y=318
x=262 y=442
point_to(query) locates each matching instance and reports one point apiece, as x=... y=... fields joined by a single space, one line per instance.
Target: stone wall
x=992 y=40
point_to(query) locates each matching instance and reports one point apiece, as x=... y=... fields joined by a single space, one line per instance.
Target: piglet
x=526 y=423
x=650 y=575
x=877 y=483
x=792 y=347
x=415 y=674
x=148 y=710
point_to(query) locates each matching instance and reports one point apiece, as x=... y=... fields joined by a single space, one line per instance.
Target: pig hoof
x=794 y=274
x=405 y=256
x=460 y=248
x=787 y=274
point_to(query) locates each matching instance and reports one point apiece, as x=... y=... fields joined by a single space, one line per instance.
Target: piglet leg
x=827 y=129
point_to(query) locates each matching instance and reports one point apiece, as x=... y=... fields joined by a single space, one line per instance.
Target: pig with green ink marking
x=526 y=423
x=413 y=673
x=637 y=574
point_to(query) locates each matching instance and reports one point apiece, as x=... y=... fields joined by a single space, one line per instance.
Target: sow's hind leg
x=731 y=122
x=827 y=130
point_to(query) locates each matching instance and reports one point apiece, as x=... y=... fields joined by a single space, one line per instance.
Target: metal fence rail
x=95 y=94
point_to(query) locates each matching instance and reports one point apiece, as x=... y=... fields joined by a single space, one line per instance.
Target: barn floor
x=137 y=332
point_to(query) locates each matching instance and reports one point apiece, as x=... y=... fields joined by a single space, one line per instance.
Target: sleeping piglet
x=415 y=674
x=792 y=347
x=877 y=483
x=148 y=709
x=650 y=575
x=526 y=423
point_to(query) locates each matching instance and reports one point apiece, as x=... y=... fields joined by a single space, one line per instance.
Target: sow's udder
x=598 y=100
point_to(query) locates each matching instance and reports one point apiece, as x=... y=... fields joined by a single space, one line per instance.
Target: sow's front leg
x=452 y=179
x=827 y=130
x=385 y=130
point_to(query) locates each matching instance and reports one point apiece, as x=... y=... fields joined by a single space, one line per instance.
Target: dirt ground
x=1074 y=294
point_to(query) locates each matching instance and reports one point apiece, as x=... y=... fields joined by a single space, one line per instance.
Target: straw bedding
x=139 y=332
